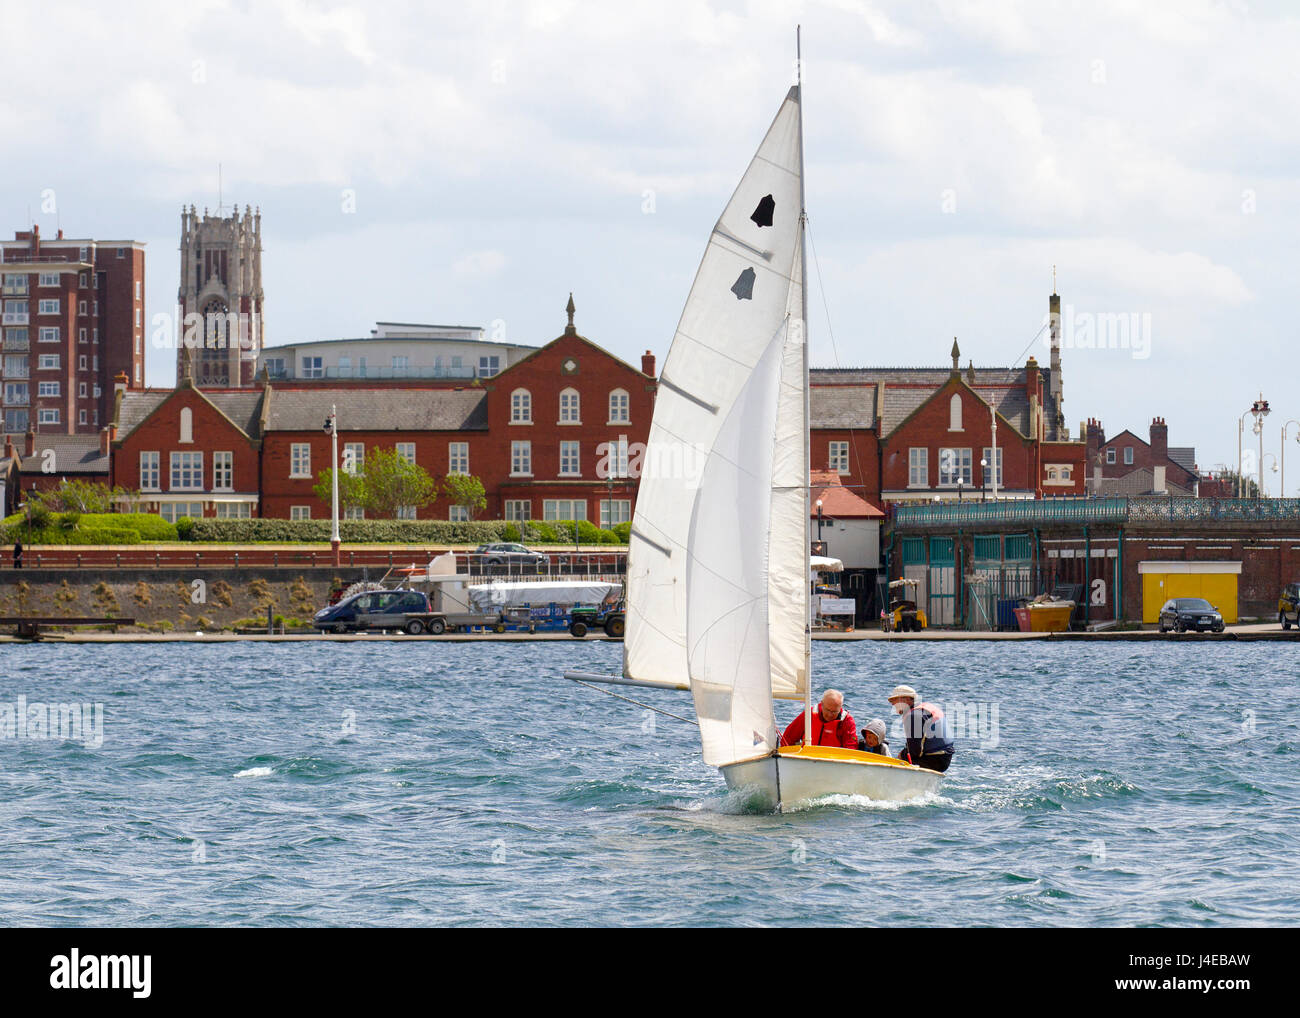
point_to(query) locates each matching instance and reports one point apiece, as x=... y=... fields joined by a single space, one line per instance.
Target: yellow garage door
x=1219 y=588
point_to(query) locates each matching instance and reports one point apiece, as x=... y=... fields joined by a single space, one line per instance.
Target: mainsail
x=718 y=559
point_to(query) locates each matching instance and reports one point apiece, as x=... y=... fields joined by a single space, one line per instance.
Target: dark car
x=368 y=610
x=513 y=557
x=1288 y=606
x=1183 y=613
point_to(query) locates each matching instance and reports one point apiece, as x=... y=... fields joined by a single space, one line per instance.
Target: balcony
x=12 y=345
x=1052 y=510
x=15 y=318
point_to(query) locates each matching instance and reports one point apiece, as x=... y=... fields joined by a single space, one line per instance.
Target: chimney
x=105 y=437
x=119 y=382
x=1035 y=402
x=9 y=448
x=29 y=443
x=1159 y=441
x=1095 y=438
x=648 y=364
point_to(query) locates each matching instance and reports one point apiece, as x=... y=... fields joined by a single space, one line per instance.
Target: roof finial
x=956 y=355
x=569 y=329
x=1053 y=279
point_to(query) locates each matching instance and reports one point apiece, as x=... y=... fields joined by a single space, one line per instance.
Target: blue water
x=394 y=783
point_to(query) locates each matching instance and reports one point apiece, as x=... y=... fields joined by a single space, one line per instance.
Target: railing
x=1050 y=510
x=17 y=344
x=15 y=318
x=1142 y=509
x=1195 y=510
x=22 y=258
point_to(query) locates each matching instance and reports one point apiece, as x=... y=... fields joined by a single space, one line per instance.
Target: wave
x=256 y=772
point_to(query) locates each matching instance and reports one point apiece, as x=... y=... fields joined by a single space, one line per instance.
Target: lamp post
x=819 y=521
x=984 y=476
x=332 y=427
x=993 y=416
x=1260 y=409
x=1269 y=455
x=960 y=480
x=1241 y=427
x=1283 y=457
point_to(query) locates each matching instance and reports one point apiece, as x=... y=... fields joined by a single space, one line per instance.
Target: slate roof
x=1140 y=482
x=842 y=406
x=379 y=409
x=73 y=454
x=1184 y=456
x=242 y=406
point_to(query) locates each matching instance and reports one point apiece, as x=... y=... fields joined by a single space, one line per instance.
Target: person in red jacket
x=832 y=725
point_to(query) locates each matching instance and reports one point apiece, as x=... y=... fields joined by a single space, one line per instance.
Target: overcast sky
x=500 y=155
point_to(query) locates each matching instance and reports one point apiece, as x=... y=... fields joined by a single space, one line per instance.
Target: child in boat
x=872 y=739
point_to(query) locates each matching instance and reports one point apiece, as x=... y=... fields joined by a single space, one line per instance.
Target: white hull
x=804 y=774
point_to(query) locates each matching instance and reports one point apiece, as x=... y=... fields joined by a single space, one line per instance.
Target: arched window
x=187 y=425
x=1051 y=473
x=619 y=407
x=570 y=409
x=521 y=407
x=954 y=412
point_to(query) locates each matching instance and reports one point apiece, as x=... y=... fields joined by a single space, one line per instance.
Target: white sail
x=745 y=303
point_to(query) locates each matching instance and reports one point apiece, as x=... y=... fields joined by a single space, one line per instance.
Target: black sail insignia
x=743 y=287
x=763 y=214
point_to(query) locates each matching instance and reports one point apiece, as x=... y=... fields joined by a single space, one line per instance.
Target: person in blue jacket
x=928 y=742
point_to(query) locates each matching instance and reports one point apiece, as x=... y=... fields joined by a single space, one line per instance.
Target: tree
x=384 y=483
x=84 y=497
x=466 y=490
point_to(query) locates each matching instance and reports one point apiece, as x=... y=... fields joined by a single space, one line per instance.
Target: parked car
x=1183 y=613
x=514 y=557
x=1288 y=606
x=379 y=609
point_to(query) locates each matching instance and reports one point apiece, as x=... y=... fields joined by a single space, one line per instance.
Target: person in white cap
x=872 y=738
x=928 y=743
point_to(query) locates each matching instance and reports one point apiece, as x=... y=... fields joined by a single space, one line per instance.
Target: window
x=81 y=307
x=81 y=279
x=94 y=337
x=300 y=461
x=838 y=457
x=121 y=252
x=81 y=390
x=47 y=417
x=458 y=458
x=918 y=468
x=354 y=457
x=564 y=509
x=1110 y=455
x=488 y=365
x=234 y=510
x=223 y=471
x=569 y=466
x=519 y=509
x=521 y=407
x=954 y=412
x=406 y=512
x=612 y=511
x=148 y=471
x=15 y=286
x=47 y=389
x=406 y=451
x=15 y=365
x=570 y=407
x=81 y=337
x=95 y=391
x=954 y=467
x=48 y=362
x=612 y=458
x=187 y=471
x=354 y=513
x=521 y=459
x=299 y=512
x=618 y=407
x=345 y=367
x=173 y=511
x=81 y=417
x=1128 y=455
x=987 y=456
x=16 y=339
x=15 y=312
x=275 y=367
x=187 y=426
x=49 y=334
x=137 y=317
x=16 y=421
x=457 y=514
x=83 y=255
x=361 y=367
x=312 y=368
x=16 y=393
x=49 y=279
x=400 y=363
x=48 y=307
x=137 y=289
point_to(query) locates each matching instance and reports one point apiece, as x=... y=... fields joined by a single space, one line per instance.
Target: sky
x=473 y=163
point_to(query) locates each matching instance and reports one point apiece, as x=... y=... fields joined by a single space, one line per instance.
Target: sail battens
x=720 y=232
x=668 y=384
x=653 y=544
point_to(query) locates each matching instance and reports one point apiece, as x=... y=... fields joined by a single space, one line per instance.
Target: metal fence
x=1149 y=508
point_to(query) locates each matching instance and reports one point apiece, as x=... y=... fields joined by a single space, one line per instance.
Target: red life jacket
x=829 y=733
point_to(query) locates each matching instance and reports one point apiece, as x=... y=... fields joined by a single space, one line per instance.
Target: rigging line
x=616 y=696
x=835 y=352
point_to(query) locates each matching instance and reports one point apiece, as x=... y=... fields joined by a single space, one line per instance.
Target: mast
x=807 y=414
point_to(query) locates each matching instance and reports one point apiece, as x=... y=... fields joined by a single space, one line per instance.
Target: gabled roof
x=837 y=500
x=379 y=409
x=842 y=406
x=73 y=454
x=1139 y=482
x=241 y=407
x=517 y=365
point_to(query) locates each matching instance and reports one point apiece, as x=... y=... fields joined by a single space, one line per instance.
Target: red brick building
x=73 y=315
x=1127 y=465
x=555 y=436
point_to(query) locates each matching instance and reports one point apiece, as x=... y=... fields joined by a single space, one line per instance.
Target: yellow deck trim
x=843 y=755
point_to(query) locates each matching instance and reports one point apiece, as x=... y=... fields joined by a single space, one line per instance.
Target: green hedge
x=89 y=528
x=561 y=532
x=351 y=531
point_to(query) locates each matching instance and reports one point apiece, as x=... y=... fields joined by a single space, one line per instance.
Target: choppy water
x=427 y=783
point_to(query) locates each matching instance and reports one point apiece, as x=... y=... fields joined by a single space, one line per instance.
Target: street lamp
x=984 y=476
x=1283 y=447
x=1260 y=409
x=819 y=520
x=332 y=427
x=1241 y=427
x=960 y=480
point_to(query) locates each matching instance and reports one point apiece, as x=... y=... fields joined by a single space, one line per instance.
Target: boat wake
x=862 y=802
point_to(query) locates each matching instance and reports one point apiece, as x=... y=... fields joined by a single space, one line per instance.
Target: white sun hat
x=901 y=691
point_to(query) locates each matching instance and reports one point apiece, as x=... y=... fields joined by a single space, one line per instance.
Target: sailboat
x=717 y=569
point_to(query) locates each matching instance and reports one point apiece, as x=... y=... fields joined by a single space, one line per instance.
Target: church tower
x=220 y=298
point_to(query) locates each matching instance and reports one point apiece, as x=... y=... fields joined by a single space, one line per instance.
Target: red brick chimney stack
x=1159 y=440
x=105 y=437
x=648 y=364
x=29 y=443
